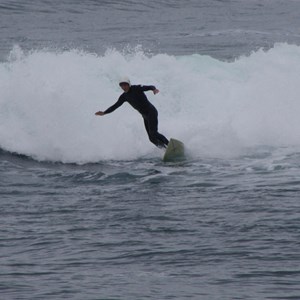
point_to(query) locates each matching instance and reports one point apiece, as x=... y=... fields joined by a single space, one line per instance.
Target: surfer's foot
x=162 y=146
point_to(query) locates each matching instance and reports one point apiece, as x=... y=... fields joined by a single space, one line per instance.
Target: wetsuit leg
x=151 y=124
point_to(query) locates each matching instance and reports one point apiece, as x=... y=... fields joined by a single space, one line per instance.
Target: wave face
x=48 y=100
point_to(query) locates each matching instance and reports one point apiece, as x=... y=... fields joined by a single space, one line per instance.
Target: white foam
x=48 y=100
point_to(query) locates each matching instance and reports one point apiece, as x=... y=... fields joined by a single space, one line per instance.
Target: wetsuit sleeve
x=115 y=106
x=145 y=88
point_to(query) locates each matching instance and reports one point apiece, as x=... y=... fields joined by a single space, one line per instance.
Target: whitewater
x=217 y=108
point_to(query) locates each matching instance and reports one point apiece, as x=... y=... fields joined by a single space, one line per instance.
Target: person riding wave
x=135 y=96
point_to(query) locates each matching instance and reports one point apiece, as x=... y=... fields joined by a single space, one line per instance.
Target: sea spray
x=48 y=100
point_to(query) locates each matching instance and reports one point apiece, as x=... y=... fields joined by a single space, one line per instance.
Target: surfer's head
x=124 y=83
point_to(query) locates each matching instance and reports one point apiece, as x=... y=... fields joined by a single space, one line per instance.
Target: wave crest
x=48 y=100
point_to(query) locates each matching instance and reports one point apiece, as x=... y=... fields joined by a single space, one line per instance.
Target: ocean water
x=88 y=209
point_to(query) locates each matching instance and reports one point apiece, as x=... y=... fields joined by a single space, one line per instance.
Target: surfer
x=135 y=96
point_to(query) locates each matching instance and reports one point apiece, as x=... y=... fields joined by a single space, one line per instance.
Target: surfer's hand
x=99 y=113
x=156 y=91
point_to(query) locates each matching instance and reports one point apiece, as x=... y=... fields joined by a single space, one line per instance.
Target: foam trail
x=48 y=100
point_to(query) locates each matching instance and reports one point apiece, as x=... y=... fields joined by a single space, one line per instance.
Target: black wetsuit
x=138 y=100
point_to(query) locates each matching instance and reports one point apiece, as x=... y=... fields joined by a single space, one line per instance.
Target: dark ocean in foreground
x=89 y=210
x=205 y=229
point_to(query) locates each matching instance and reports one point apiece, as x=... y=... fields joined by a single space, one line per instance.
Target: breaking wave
x=48 y=100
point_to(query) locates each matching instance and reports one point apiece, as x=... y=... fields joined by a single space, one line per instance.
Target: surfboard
x=174 y=151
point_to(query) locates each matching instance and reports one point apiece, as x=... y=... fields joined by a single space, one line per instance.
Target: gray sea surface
x=223 y=29
x=209 y=227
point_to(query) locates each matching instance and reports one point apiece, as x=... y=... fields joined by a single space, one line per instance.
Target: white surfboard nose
x=174 y=151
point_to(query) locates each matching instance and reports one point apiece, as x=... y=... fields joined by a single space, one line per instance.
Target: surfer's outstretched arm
x=146 y=88
x=100 y=113
x=112 y=108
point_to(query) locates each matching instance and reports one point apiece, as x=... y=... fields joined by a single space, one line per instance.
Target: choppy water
x=223 y=29
x=89 y=211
